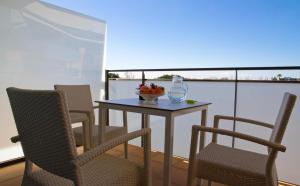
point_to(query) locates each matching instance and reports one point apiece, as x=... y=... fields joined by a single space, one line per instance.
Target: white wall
x=260 y=101
x=42 y=45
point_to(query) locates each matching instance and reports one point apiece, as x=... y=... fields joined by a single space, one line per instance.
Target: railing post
x=106 y=90
x=106 y=86
x=143 y=77
x=142 y=115
x=235 y=104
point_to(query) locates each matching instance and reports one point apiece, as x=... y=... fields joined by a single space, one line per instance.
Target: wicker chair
x=235 y=166
x=44 y=127
x=81 y=109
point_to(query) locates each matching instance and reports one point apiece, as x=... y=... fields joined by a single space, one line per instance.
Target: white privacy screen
x=42 y=45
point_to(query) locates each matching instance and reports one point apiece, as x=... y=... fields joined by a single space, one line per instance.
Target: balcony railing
x=253 y=92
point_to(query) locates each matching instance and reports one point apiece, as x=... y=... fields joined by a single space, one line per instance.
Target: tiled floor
x=12 y=175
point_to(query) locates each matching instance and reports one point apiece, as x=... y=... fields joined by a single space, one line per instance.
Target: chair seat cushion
x=110 y=133
x=231 y=166
x=110 y=170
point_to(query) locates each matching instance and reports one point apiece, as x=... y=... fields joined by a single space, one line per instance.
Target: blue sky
x=196 y=33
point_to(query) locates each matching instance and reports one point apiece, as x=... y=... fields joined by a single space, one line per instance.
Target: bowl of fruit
x=150 y=93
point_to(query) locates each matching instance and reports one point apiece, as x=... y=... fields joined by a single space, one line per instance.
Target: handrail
x=213 y=80
x=209 y=69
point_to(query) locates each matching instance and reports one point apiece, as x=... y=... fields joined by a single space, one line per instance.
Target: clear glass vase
x=178 y=90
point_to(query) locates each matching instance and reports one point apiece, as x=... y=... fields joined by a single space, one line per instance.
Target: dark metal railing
x=236 y=80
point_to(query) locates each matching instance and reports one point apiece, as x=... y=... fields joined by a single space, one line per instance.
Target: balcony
x=231 y=96
x=40 y=50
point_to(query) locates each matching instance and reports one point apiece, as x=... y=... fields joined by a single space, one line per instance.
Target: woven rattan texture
x=45 y=132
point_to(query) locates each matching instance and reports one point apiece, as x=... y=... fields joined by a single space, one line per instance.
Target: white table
x=163 y=108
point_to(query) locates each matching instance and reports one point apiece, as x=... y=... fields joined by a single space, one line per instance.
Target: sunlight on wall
x=42 y=45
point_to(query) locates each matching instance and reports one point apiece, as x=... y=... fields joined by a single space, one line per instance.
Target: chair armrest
x=263 y=124
x=100 y=149
x=95 y=107
x=15 y=139
x=247 y=137
x=79 y=111
x=88 y=113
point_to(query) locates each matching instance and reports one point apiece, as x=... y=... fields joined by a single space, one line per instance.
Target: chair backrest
x=79 y=97
x=283 y=117
x=44 y=128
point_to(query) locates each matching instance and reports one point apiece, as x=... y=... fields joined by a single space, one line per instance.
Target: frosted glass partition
x=42 y=45
x=259 y=101
x=218 y=93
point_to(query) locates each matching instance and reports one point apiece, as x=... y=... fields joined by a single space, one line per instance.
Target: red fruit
x=151 y=91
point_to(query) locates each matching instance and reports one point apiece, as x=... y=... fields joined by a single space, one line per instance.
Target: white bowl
x=149 y=98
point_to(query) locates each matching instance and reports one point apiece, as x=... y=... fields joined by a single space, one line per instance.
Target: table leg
x=125 y=125
x=169 y=133
x=202 y=136
x=145 y=124
x=101 y=124
x=142 y=126
x=146 y=121
x=203 y=123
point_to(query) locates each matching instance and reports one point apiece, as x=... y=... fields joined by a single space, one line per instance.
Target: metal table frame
x=167 y=111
